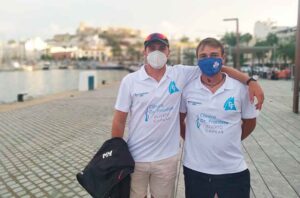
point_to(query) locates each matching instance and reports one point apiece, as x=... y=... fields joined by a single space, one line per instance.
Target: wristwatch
x=249 y=80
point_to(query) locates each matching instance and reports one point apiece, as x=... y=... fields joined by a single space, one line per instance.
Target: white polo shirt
x=213 y=126
x=153 y=107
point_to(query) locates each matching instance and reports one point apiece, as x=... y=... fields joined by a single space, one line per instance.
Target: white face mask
x=157 y=59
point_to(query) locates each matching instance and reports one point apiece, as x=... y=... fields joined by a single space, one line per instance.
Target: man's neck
x=214 y=82
x=157 y=74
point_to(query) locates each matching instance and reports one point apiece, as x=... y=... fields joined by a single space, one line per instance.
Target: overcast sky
x=21 y=19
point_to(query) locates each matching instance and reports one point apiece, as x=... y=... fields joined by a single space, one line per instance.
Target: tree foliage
x=184 y=39
x=272 y=39
x=229 y=38
x=189 y=56
x=284 y=49
x=246 y=38
x=287 y=50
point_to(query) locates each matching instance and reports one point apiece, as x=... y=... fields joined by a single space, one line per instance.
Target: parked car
x=281 y=74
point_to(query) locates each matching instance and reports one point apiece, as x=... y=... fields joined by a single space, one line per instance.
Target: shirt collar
x=143 y=74
x=228 y=84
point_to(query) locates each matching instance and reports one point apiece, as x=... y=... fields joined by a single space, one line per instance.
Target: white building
x=34 y=48
x=263 y=28
x=286 y=33
x=13 y=50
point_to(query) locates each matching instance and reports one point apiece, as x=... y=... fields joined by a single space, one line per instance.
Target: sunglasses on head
x=155 y=36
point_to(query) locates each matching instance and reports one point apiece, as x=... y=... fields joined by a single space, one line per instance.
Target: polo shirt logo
x=198 y=122
x=158 y=113
x=140 y=94
x=193 y=103
x=229 y=104
x=147 y=115
x=173 y=88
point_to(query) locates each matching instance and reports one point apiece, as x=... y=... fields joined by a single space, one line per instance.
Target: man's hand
x=255 y=90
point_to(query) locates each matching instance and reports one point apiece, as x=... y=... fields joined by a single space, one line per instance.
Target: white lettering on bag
x=107 y=154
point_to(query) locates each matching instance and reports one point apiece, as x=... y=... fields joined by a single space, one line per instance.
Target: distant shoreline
x=47 y=98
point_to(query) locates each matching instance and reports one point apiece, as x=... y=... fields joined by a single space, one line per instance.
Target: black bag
x=107 y=175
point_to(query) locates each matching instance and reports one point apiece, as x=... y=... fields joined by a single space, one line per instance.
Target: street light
x=237 y=41
x=297 y=67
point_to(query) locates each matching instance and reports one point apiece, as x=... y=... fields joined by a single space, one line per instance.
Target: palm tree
x=246 y=38
x=287 y=50
x=260 y=55
x=272 y=39
x=229 y=38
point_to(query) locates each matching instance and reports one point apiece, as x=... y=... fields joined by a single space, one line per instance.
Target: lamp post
x=297 y=67
x=237 y=41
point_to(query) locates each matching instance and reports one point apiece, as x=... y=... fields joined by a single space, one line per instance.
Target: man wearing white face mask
x=151 y=99
x=157 y=59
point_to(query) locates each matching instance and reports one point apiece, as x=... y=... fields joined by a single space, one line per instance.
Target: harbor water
x=45 y=82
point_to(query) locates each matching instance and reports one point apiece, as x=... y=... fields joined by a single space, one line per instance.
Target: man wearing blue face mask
x=215 y=116
x=151 y=99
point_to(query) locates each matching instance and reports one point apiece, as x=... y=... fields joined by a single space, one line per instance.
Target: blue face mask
x=210 y=66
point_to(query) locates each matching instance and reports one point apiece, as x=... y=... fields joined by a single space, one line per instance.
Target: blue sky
x=21 y=19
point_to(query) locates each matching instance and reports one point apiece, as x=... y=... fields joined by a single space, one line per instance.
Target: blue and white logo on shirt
x=210 y=123
x=173 y=88
x=158 y=113
x=229 y=104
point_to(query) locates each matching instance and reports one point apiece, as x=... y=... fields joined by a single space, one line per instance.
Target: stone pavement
x=43 y=146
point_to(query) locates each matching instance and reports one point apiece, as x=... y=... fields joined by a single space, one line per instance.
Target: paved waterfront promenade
x=44 y=144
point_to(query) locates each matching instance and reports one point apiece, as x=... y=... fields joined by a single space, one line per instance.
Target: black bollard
x=20 y=97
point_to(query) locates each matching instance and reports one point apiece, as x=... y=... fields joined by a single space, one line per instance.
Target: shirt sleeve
x=248 y=110
x=124 y=99
x=188 y=73
x=182 y=107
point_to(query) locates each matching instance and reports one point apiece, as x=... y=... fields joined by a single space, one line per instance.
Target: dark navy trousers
x=202 y=185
